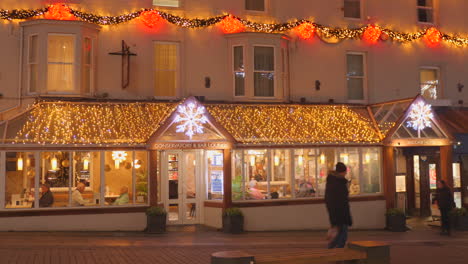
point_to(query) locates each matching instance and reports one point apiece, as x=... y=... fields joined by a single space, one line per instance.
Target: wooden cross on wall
x=125 y=53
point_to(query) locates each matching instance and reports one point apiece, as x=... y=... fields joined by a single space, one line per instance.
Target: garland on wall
x=229 y=24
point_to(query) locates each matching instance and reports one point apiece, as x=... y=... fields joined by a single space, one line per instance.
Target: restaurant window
x=425 y=10
x=87 y=171
x=33 y=54
x=19 y=179
x=215 y=175
x=118 y=177
x=60 y=63
x=352 y=9
x=167 y=3
x=56 y=172
x=264 y=71
x=166 y=68
x=429 y=82
x=356 y=76
x=255 y=5
x=239 y=71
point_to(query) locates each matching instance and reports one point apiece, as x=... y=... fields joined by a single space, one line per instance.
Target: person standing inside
x=337 y=202
x=445 y=201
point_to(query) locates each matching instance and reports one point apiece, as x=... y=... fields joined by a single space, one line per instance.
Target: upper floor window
x=352 y=9
x=258 y=65
x=429 y=82
x=255 y=5
x=67 y=66
x=167 y=3
x=356 y=79
x=166 y=58
x=425 y=11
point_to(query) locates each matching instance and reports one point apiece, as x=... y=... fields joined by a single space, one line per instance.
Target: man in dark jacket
x=445 y=201
x=337 y=201
x=47 y=199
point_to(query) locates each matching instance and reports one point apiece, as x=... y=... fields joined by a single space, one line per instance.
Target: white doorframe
x=183 y=215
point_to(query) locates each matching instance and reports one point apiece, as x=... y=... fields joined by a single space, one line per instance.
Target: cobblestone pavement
x=194 y=245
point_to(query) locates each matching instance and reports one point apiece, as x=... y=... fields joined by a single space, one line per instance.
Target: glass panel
x=326 y=163
x=401 y=183
x=173 y=175
x=165 y=83
x=19 y=180
x=215 y=175
x=280 y=181
x=239 y=83
x=239 y=58
x=305 y=172
x=190 y=171
x=355 y=64
x=170 y=3
x=190 y=213
x=432 y=176
x=429 y=82
x=87 y=170
x=264 y=84
x=425 y=15
x=33 y=77
x=158 y=173
x=33 y=49
x=60 y=77
x=256 y=182
x=166 y=69
x=118 y=177
x=457 y=197
x=237 y=179
x=456 y=175
x=55 y=170
x=352 y=8
x=141 y=173
x=370 y=180
x=427 y=3
x=355 y=88
x=87 y=50
x=61 y=49
x=264 y=58
x=86 y=79
x=255 y=5
x=350 y=157
x=173 y=212
x=417 y=191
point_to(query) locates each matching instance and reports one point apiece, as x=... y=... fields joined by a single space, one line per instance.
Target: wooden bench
x=369 y=252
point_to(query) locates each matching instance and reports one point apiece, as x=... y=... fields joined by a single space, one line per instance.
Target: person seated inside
x=123 y=198
x=77 y=198
x=47 y=198
x=253 y=192
x=260 y=176
x=305 y=189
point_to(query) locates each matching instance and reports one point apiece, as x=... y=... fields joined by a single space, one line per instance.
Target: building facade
x=203 y=105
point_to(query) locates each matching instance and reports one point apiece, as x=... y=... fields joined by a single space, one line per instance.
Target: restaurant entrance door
x=181 y=186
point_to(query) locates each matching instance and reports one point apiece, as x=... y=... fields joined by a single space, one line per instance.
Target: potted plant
x=156 y=220
x=233 y=221
x=459 y=218
x=395 y=220
x=141 y=187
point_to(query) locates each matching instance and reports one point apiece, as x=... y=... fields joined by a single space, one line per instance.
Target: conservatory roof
x=78 y=123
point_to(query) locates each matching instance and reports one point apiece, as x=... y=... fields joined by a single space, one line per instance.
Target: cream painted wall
x=213 y=217
x=392 y=67
x=86 y=222
x=366 y=215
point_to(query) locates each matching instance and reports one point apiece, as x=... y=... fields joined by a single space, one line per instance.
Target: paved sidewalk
x=194 y=245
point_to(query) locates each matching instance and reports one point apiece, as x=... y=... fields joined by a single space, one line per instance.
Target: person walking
x=337 y=202
x=445 y=201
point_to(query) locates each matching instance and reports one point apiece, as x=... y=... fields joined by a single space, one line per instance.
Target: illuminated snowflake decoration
x=119 y=155
x=192 y=118
x=420 y=116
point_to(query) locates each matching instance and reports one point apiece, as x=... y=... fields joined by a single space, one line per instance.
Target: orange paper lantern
x=151 y=18
x=59 y=12
x=372 y=34
x=305 y=30
x=433 y=36
x=230 y=25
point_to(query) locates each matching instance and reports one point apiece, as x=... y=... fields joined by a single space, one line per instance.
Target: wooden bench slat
x=312 y=256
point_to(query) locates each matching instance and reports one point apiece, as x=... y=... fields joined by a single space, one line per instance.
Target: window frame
x=364 y=78
x=275 y=67
x=177 y=71
x=361 y=10
x=181 y=5
x=433 y=8
x=266 y=10
x=91 y=66
x=76 y=70
x=439 y=93
x=234 y=70
x=29 y=63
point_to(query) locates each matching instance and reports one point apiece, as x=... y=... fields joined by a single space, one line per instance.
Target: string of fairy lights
x=99 y=123
x=229 y=24
x=298 y=124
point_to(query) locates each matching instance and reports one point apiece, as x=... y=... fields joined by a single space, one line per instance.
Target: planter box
x=156 y=224
x=461 y=222
x=233 y=224
x=396 y=223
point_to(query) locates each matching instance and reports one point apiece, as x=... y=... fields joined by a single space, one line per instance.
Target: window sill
x=72 y=211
